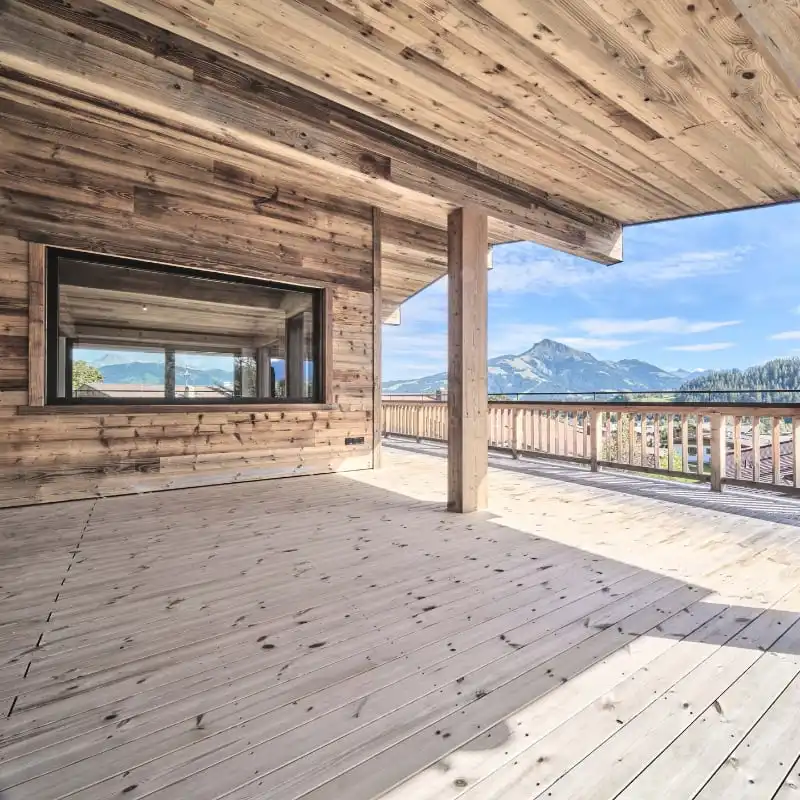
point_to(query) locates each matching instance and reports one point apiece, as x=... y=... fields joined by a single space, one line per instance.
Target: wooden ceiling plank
x=521 y=105
x=458 y=110
x=142 y=88
x=583 y=113
x=775 y=27
x=723 y=67
x=575 y=36
x=616 y=68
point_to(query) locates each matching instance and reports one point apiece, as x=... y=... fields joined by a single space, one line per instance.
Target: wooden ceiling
x=638 y=109
x=565 y=119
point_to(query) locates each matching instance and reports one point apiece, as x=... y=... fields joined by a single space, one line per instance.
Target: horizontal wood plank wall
x=67 y=181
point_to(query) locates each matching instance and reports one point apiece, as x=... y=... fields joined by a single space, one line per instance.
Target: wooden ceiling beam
x=111 y=62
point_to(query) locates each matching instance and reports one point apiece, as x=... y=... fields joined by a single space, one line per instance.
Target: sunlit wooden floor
x=342 y=637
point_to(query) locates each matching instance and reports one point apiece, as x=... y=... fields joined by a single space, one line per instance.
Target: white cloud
x=785 y=335
x=611 y=327
x=591 y=343
x=520 y=268
x=701 y=348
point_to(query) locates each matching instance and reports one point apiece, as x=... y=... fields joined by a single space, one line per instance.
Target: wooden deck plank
x=443 y=640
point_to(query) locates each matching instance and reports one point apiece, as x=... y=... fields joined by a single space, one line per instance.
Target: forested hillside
x=754 y=384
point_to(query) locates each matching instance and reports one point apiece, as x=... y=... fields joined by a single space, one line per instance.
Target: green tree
x=759 y=384
x=83 y=373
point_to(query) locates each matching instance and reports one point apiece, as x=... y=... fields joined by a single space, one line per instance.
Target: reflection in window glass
x=140 y=334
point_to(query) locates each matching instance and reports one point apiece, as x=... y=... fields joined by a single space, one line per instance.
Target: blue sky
x=712 y=292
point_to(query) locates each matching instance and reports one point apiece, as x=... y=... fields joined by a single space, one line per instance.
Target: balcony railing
x=703 y=443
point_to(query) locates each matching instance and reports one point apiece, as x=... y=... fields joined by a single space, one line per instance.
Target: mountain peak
x=550 y=346
x=552 y=367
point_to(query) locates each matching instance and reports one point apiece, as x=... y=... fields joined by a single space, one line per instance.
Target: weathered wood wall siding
x=67 y=180
x=13 y=320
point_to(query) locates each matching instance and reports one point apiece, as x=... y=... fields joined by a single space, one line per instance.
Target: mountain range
x=553 y=367
x=147 y=372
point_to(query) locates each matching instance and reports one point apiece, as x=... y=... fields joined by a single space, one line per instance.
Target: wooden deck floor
x=341 y=637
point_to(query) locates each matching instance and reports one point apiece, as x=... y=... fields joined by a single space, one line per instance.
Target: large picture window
x=121 y=331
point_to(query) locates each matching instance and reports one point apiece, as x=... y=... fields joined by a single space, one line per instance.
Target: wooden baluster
x=595 y=438
x=657 y=441
x=670 y=440
x=500 y=425
x=548 y=445
x=418 y=422
x=575 y=433
x=756 y=449
x=684 y=442
x=516 y=432
x=718 y=450
x=586 y=422
x=619 y=458
x=699 y=439
x=776 y=450
x=631 y=438
x=556 y=418
x=737 y=448
x=528 y=429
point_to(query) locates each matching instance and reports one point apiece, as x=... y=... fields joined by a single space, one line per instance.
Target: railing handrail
x=741 y=409
x=714 y=397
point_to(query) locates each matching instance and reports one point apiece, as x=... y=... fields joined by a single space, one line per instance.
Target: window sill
x=179 y=408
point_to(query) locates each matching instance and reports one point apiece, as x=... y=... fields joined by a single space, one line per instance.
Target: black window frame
x=52 y=329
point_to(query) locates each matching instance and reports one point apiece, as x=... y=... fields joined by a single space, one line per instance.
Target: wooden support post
x=377 y=322
x=467 y=399
x=169 y=373
x=295 y=357
x=718 y=451
x=596 y=438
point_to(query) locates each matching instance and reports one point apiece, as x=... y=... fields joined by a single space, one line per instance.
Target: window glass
x=137 y=333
